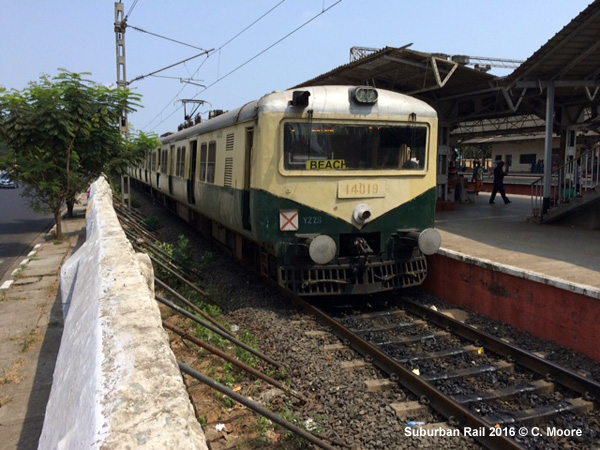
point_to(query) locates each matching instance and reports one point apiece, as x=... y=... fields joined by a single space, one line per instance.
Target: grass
x=12 y=374
x=30 y=339
x=203 y=420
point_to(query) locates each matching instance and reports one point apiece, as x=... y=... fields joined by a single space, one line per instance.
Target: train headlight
x=322 y=249
x=429 y=241
x=365 y=95
x=362 y=214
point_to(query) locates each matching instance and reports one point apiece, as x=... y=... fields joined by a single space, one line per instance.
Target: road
x=20 y=227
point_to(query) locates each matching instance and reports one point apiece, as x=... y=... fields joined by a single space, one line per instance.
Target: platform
x=502 y=234
x=542 y=279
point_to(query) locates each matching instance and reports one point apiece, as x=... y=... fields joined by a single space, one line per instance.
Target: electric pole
x=120 y=26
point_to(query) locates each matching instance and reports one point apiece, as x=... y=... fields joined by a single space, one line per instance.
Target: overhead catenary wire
x=249 y=60
x=130 y=10
x=271 y=46
x=166 y=38
x=205 y=52
x=251 y=25
x=203 y=62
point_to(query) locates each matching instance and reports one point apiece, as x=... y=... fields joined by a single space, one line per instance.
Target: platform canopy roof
x=472 y=101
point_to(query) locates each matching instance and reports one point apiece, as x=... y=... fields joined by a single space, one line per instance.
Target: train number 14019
x=361 y=189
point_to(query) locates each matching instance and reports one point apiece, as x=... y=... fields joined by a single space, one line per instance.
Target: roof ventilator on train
x=300 y=99
x=214 y=113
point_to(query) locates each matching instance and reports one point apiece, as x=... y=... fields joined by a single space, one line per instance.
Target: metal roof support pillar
x=548 y=148
x=442 y=161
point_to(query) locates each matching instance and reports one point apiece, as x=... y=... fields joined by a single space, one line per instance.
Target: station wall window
x=528 y=158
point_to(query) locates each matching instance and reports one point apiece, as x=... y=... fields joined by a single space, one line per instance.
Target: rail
x=457 y=415
x=569 y=181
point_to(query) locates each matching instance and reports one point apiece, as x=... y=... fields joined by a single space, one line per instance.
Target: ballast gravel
x=338 y=399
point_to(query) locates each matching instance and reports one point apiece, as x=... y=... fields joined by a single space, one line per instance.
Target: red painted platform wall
x=517 y=189
x=570 y=319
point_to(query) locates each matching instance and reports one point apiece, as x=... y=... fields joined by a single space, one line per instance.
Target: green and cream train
x=327 y=190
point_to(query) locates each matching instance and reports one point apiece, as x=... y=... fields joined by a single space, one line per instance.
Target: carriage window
x=163 y=161
x=182 y=165
x=321 y=146
x=180 y=162
x=203 y=148
x=210 y=164
x=153 y=160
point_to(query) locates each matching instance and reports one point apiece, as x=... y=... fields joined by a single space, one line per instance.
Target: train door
x=170 y=169
x=146 y=165
x=247 y=178
x=191 y=184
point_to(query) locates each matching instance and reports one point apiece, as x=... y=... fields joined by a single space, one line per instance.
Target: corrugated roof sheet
x=572 y=54
x=406 y=71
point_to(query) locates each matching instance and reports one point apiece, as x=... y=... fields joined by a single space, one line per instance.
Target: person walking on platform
x=477 y=177
x=499 y=175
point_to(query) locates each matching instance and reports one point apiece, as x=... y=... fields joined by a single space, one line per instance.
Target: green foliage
x=203 y=420
x=135 y=202
x=205 y=335
x=278 y=374
x=244 y=355
x=133 y=153
x=61 y=133
x=152 y=223
x=183 y=252
x=227 y=401
x=207 y=258
x=212 y=310
x=264 y=425
x=288 y=414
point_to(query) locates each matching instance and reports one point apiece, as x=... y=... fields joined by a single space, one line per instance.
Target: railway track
x=456 y=370
x=462 y=379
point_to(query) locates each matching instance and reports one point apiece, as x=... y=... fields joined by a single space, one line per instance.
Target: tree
x=63 y=133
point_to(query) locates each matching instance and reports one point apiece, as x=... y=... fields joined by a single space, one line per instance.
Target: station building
x=548 y=106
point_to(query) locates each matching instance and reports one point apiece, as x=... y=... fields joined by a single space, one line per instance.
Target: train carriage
x=330 y=189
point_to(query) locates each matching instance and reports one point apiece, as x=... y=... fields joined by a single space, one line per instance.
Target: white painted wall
x=116 y=382
x=516 y=148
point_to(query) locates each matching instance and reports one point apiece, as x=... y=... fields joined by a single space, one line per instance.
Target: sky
x=41 y=36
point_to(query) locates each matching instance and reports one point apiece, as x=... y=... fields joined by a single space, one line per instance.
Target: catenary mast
x=120 y=26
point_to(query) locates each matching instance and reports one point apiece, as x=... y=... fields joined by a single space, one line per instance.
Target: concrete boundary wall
x=116 y=382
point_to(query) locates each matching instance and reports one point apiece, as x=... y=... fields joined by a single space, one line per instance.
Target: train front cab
x=354 y=193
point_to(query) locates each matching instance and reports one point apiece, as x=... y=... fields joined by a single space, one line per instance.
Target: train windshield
x=323 y=146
